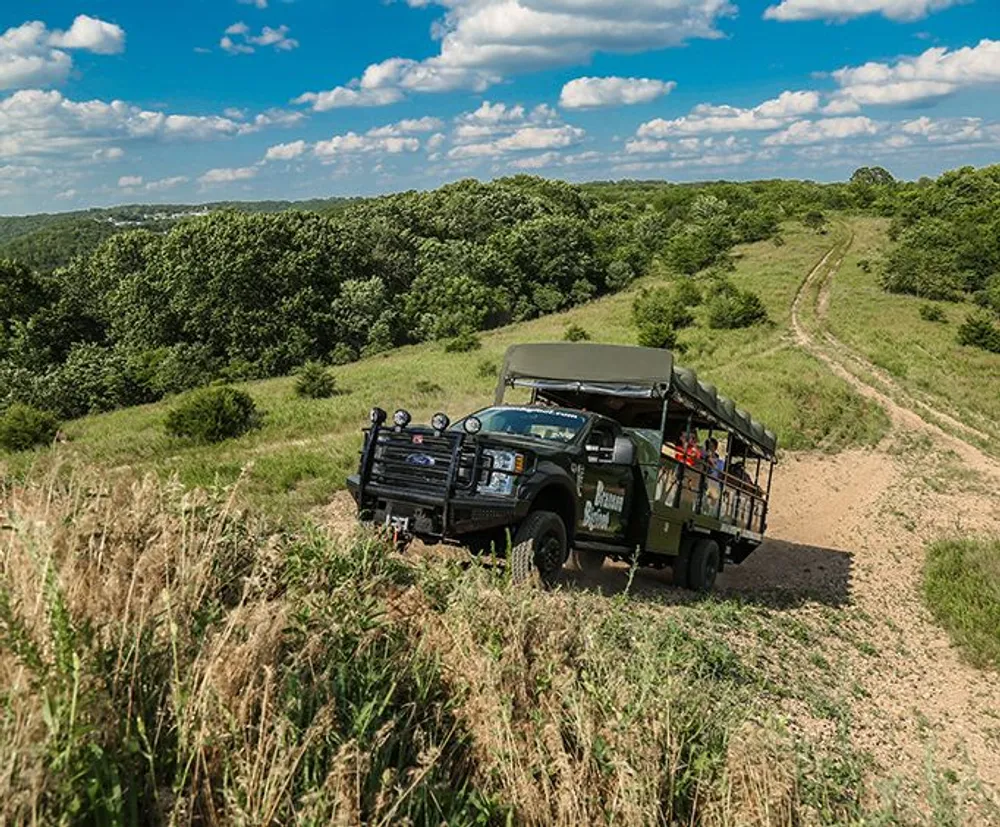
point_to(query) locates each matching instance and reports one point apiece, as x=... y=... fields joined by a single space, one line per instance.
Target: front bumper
x=431 y=517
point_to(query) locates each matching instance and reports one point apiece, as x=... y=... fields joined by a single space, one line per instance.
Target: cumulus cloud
x=825 y=129
x=483 y=41
x=32 y=55
x=285 y=152
x=164 y=184
x=840 y=10
x=237 y=39
x=586 y=93
x=343 y=97
x=934 y=73
x=130 y=181
x=227 y=175
x=523 y=139
x=354 y=144
x=91 y=35
x=707 y=118
x=36 y=122
x=413 y=126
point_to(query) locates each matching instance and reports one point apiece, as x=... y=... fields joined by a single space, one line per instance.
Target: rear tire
x=589 y=562
x=546 y=533
x=705 y=563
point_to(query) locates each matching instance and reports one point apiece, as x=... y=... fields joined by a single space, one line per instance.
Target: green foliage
x=22 y=427
x=213 y=415
x=872 y=176
x=962 y=589
x=343 y=354
x=933 y=313
x=575 y=333
x=315 y=381
x=815 y=220
x=464 y=342
x=948 y=235
x=731 y=308
x=980 y=330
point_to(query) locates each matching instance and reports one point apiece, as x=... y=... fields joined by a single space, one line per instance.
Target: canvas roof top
x=637 y=372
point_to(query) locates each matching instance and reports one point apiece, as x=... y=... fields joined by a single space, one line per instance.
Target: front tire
x=706 y=560
x=546 y=533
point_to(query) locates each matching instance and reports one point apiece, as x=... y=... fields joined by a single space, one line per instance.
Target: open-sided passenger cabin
x=663 y=407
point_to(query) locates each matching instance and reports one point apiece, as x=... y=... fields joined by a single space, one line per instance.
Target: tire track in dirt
x=922 y=695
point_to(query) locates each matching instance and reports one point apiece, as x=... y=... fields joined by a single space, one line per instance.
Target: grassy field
x=922 y=356
x=306 y=448
x=962 y=588
x=194 y=667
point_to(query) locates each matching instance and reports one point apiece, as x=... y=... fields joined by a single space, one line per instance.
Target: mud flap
x=522 y=564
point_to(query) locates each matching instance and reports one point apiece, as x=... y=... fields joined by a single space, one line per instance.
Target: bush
x=662 y=305
x=658 y=335
x=463 y=343
x=687 y=292
x=22 y=427
x=732 y=308
x=429 y=388
x=315 y=381
x=619 y=276
x=979 y=330
x=865 y=265
x=933 y=313
x=213 y=415
x=815 y=220
x=575 y=333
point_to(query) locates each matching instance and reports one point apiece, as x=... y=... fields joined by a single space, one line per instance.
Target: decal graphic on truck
x=597 y=512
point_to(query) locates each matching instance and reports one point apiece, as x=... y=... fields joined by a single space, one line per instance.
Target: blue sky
x=115 y=101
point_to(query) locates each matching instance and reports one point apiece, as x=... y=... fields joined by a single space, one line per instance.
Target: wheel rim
x=549 y=552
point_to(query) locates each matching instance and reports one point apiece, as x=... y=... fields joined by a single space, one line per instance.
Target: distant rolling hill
x=50 y=240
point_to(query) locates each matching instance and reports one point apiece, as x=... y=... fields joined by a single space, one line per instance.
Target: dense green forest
x=251 y=293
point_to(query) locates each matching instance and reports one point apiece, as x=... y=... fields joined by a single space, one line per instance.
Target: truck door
x=605 y=488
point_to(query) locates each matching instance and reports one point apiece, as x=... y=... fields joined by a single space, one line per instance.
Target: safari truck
x=611 y=452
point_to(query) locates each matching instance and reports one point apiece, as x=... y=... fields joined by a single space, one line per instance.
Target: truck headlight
x=500 y=478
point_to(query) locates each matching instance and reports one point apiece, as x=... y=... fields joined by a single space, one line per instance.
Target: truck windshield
x=540 y=423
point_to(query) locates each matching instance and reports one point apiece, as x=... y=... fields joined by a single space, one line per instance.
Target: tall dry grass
x=168 y=659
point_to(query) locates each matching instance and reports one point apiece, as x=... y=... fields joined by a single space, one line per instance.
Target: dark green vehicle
x=616 y=454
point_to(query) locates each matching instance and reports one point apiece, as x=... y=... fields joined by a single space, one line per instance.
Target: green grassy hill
x=306 y=448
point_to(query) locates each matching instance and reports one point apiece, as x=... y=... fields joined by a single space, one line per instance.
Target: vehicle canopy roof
x=628 y=384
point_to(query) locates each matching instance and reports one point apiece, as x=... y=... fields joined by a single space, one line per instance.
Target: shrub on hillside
x=343 y=354
x=662 y=305
x=463 y=343
x=213 y=415
x=933 y=313
x=979 y=330
x=815 y=220
x=732 y=308
x=619 y=276
x=575 y=333
x=22 y=427
x=315 y=381
x=658 y=335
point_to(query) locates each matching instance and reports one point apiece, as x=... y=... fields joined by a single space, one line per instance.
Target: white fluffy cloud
x=354 y=144
x=708 y=118
x=36 y=122
x=413 y=126
x=935 y=73
x=237 y=39
x=483 y=41
x=586 y=93
x=899 y=10
x=91 y=35
x=32 y=55
x=227 y=175
x=130 y=181
x=526 y=138
x=495 y=129
x=825 y=129
x=286 y=152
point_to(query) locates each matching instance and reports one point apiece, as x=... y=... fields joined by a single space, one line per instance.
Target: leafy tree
x=731 y=308
x=815 y=220
x=979 y=330
x=872 y=177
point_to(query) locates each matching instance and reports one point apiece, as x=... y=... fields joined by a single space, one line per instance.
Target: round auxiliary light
x=378 y=416
x=440 y=422
x=401 y=418
x=473 y=425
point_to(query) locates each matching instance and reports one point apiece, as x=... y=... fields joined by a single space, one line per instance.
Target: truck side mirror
x=624 y=451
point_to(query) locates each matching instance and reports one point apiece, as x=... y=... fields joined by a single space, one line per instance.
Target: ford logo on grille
x=421 y=460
